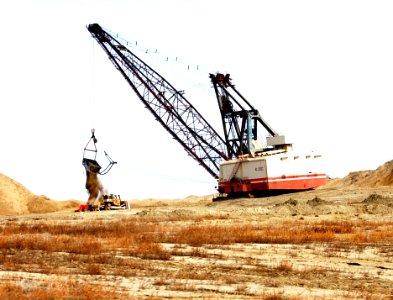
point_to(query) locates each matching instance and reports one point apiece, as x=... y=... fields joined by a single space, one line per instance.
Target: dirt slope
x=15 y=199
x=382 y=176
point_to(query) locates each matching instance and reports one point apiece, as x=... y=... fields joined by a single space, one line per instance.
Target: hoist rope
x=93 y=86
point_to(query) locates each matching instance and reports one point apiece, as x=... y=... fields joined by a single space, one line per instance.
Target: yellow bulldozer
x=105 y=202
x=111 y=201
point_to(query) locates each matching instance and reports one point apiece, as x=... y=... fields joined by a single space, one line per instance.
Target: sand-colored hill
x=382 y=176
x=15 y=199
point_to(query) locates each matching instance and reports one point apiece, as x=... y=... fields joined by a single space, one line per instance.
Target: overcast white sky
x=320 y=72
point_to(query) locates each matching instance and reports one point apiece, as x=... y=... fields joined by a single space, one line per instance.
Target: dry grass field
x=335 y=242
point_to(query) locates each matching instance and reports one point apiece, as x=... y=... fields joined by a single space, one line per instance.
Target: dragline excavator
x=250 y=159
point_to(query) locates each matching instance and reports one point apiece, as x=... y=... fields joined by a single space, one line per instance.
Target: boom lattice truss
x=168 y=105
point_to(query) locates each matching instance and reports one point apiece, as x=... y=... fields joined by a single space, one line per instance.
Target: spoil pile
x=15 y=199
x=382 y=176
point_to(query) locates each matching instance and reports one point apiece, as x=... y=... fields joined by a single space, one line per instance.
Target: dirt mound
x=317 y=201
x=290 y=201
x=15 y=199
x=378 y=199
x=382 y=176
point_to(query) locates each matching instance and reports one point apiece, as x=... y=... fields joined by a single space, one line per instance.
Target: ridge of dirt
x=16 y=199
x=382 y=176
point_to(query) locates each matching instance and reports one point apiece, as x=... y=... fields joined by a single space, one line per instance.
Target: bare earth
x=352 y=263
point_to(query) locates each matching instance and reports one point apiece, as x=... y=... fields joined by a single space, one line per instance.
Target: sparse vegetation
x=131 y=247
x=242 y=249
x=59 y=290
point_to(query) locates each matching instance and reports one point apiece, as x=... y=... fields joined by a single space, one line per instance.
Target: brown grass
x=136 y=238
x=59 y=290
x=131 y=248
x=294 y=233
x=284 y=266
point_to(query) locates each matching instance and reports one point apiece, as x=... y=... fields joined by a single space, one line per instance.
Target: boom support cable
x=168 y=105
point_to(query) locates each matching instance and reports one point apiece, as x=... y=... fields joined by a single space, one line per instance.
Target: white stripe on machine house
x=274 y=165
